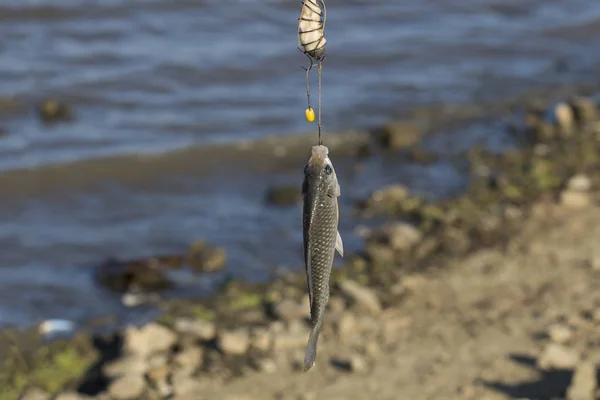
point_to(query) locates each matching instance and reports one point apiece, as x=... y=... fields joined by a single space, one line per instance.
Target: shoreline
x=263 y=154
x=239 y=327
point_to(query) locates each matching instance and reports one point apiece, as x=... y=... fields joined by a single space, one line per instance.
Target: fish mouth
x=319 y=156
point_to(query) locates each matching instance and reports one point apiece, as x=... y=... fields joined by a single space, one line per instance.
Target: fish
x=320 y=216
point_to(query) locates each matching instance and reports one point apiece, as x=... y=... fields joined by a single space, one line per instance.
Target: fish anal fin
x=339 y=245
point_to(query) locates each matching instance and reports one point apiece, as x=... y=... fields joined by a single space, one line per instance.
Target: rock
x=124 y=276
x=267 y=365
x=564 y=117
x=579 y=183
x=34 y=394
x=70 y=396
x=399 y=135
x=288 y=310
x=203 y=330
x=290 y=340
x=575 y=200
x=357 y=363
x=388 y=197
x=159 y=379
x=583 y=384
x=557 y=356
x=354 y=363
x=422 y=157
x=456 y=241
x=402 y=236
x=157 y=360
x=184 y=385
x=346 y=325
x=129 y=387
x=51 y=110
x=283 y=195
x=261 y=339
x=336 y=304
x=150 y=339
x=203 y=257
x=361 y=296
x=584 y=109
x=132 y=364
x=307 y=396
x=559 y=333
x=372 y=349
x=542 y=131
x=234 y=342
x=395 y=326
x=413 y=283
x=189 y=359
x=379 y=253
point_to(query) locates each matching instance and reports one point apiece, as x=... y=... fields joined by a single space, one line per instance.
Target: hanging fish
x=311 y=41
x=320 y=192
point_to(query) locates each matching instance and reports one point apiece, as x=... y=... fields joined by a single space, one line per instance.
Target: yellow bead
x=310 y=114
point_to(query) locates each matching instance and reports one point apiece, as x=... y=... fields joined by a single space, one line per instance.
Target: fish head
x=319 y=172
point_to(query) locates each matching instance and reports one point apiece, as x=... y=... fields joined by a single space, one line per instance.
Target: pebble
x=557 y=356
x=129 y=387
x=361 y=296
x=184 y=385
x=290 y=340
x=189 y=359
x=346 y=325
x=413 y=283
x=583 y=383
x=395 y=327
x=357 y=364
x=203 y=330
x=372 y=349
x=261 y=339
x=288 y=310
x=35 y=394
x=392 y=194
x=579 y=183
x=398 y=135
x=574 y=199
x=354 y=363
x=234 y=342
x=152 y=338
x=132 y=364
x=336 y=304
x=307 y=396
x=70 y=396
x=402 y=236
x=585 y=109
x=159 y=377
x=379 y=253
x=560 y=333
x=563 y=114
x=267 y=365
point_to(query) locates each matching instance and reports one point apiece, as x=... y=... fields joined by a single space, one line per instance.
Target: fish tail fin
x=311 y=348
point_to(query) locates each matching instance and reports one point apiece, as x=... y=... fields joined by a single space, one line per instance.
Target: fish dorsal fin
x=339 y=245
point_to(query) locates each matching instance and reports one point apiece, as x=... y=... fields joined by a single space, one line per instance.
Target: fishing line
x=319 y=123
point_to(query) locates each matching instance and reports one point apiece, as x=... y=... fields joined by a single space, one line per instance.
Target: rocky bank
x=490 y=295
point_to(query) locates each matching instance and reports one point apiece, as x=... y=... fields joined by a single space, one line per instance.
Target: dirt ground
x=474 y=329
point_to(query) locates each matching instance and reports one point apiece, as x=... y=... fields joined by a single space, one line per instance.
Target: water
x=153 y=76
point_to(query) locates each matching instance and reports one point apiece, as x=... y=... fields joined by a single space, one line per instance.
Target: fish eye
x=327 y=169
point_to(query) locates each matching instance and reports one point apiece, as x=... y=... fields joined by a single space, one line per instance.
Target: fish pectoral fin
x=339 y=245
